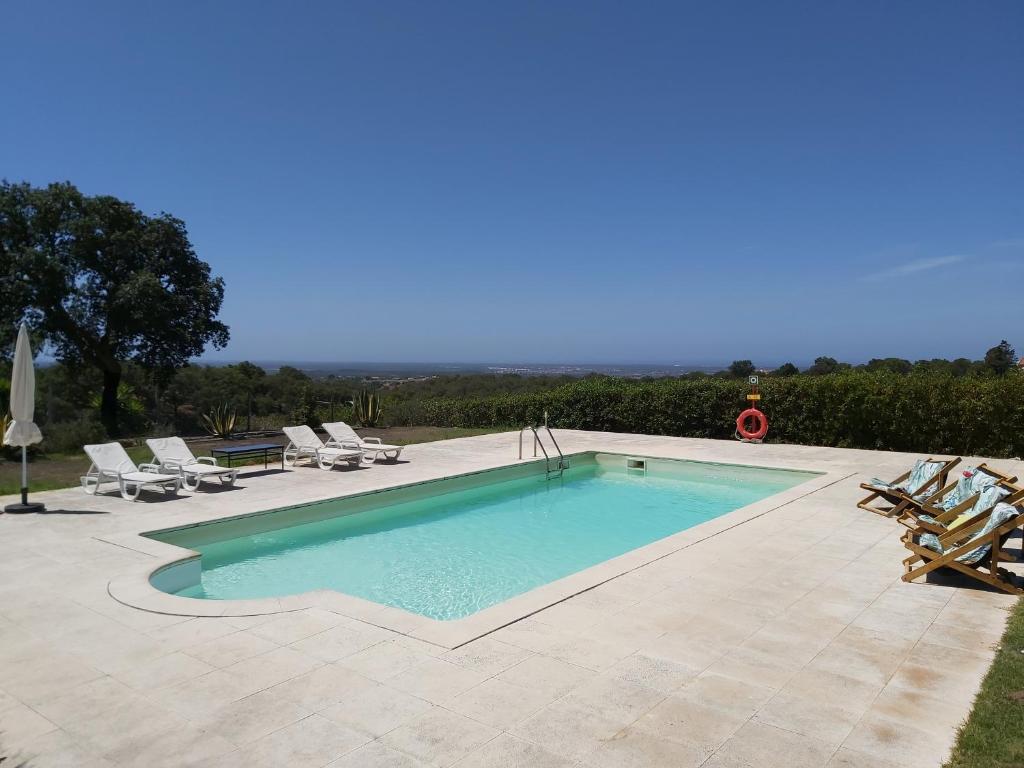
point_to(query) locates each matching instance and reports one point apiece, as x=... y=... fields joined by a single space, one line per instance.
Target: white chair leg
x=191 y=486
x=127 y=494
x=229 y=478
x=90 y=484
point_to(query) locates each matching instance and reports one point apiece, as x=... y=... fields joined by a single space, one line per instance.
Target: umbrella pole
x=24 y=476
x=25 y=506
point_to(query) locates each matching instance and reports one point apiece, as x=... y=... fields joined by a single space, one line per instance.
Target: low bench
x=250 y=451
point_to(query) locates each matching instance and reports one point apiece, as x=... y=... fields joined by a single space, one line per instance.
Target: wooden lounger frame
x=898 y=499
x=910 y=515
x=995 y=576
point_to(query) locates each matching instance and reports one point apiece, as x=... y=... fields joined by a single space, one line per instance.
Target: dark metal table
x=250 y=451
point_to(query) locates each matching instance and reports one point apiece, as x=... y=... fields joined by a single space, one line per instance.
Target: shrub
x=932 y=413
x=70 y=436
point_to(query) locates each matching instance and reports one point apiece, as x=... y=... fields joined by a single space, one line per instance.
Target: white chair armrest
x=207 y=460
x=169 y=464
x=154 y=468
x=372 y=440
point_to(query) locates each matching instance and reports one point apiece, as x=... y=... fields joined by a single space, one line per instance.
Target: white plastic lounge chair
x=343 y=436
x=304 y=443
x=171 y=454
x=111 y=463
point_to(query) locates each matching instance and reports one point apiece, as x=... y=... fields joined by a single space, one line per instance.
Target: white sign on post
x=753 y=380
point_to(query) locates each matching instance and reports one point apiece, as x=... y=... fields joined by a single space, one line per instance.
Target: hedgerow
x=880 y=411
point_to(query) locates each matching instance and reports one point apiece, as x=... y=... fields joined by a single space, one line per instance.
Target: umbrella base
x=21 y=509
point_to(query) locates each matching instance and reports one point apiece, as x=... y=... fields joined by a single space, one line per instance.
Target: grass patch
x=54 y=471
x=993 y=736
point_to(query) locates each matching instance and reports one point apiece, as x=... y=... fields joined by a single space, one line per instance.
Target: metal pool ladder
x=560 y=465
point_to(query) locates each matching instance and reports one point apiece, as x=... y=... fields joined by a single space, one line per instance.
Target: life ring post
x=760 y=421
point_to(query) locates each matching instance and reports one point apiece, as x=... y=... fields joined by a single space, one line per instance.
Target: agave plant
x=367 y=408
x=220 y=422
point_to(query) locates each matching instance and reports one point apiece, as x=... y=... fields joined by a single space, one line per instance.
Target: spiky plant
x=367 y=408
x=220 y=422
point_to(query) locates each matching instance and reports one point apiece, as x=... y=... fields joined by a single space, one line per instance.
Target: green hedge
x=881 y=411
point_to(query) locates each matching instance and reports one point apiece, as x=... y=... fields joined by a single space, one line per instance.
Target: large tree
x=1001 y=358
x=103 y=283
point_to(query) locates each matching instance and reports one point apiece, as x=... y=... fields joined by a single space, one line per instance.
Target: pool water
x=450 y=554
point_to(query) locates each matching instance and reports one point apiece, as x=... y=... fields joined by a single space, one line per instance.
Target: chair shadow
x=259 y=473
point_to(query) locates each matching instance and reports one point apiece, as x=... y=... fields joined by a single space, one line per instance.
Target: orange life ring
x=762 y=424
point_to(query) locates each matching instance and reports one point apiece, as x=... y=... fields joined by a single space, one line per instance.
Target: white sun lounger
x=171 y=454
x=304 y=443
x=343 y=436
x=111 y=463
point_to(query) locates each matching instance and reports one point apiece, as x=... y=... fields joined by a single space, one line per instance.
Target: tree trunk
x=108 y=404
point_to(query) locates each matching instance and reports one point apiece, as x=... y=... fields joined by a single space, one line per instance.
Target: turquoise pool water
x=450 y=554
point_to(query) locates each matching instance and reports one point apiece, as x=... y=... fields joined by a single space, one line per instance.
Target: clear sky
x=554 y=181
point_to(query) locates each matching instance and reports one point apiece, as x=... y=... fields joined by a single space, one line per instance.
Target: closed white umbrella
x=23 y=430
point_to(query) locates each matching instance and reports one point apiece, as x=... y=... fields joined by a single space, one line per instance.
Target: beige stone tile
x=831 y=689
x=550 y=675
x=487 y=656
x=748 y=664
x=385 y=660
x=229 y=649
x=897 y=742
x=801 y=714
x=311 y=742
x=246 y=720
x=273 y=667
x=509 y=752
x=171 y=669
x=570 y=616
x=568 y=730
x=633 y=748
x=689 y=722
x=287 y=628
x=134 y=721
x=341 y=641
x=192 y=632
x=439 y=737
x=738 y=699
x=377 y=711
x=20 y=724
x=590 y=652
x=436 y=680
x=59 y=749
x=499 y=704
x=766 y=746
x=377 y=755
x=174 y=748
x=43 y=678
x=324 y=686
x=684 y=650
x=847 y=758
x=531 y=634
x=614 y=699
x=197 y=699
x=657 y=673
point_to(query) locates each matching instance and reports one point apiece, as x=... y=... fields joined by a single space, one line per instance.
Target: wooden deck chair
x=973 y=493
x=926 y=475
x=970 y=547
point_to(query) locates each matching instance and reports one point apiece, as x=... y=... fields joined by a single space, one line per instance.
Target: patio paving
x=787 y=640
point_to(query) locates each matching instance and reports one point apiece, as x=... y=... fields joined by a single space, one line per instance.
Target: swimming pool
x=450 y=548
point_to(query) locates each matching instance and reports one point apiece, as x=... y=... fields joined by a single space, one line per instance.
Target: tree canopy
x=1001 y=358
x=103 y=283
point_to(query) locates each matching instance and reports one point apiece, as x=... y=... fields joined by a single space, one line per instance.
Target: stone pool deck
x=785 y=640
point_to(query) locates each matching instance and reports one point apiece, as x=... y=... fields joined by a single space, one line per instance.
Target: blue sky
x=554 y=181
